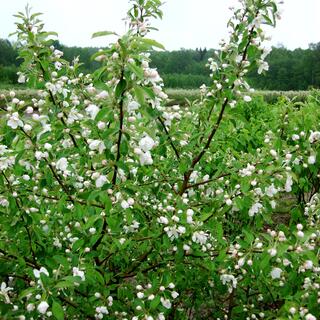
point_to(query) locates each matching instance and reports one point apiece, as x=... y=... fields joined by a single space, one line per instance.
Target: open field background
x=179 y=96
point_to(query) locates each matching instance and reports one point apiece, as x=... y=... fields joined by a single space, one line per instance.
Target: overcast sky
x=186 y=23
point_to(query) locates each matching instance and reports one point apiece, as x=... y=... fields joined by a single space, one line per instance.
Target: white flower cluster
x=314 y=136
x=271 y=190
x=101 y=312
x=229 y=280
x=4 y=291
x=133 y=227
x=92 y=110
x=255 y=208
x=148 y=293
x=248 y=171
x=174 y=232
x=78 y=273
x=200 y=237
x=145 y=146
x=14 y=121
x=289 y=183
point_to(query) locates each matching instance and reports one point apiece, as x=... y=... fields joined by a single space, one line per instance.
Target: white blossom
x=78 y=273
x=101 y=180
x=295 y=137
x=314 y=136
x=102 y=95
x=57 y=53
x=171 y=285
x=263 y=66
x=146 y=158
x=165 y=302
x=186 y=247
x=229 y=278
x=14 y=121
x=310 y=316
x=37 y=272
x=43 y=307
x=161 y=316
x=140 y=295
x=146 y=143
x=292 y=310
x=102 y=310
x=271 y=190
x=124 y=204
x=30 y=307
x=92 y=110
x=73 y=116
x=312 y=159
x=97 y=145
x=200 y=237
x=22 y=78
x=163 y=220
x=4 y=290
x=308 y=265
x=274 y=153
x=62 y=164
x=276 y=273
x=101 y=125
x=256 y=207
x=133 y=106
x=289 y=183
x=272 y=252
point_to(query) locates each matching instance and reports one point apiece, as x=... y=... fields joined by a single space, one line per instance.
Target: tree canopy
x=297 y=69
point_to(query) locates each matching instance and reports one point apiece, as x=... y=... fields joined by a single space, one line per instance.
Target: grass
x=179 y=96
x=176 y=96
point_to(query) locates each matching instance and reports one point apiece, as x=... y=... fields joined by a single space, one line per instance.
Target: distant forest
x=297 y=69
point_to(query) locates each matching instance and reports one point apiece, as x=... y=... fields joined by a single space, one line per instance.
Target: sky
x=186 y=24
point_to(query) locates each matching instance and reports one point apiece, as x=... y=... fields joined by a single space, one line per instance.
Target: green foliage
x=116 y=204
x=297 y=69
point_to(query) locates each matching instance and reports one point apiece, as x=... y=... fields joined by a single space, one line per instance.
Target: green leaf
x=101 y=114
x=64 y=284
x=62 y=260
x=72 y=279
x=155 y=302
x=121 y=87
x=139 y=95
x=153 y=43
x=51 y=33
x=91 y=221
x=103 y=33
x=78 y=244
x=57 y=310
x=149 y=92
x=35 y=15
x=26 y=292
x=106 y=200
x=136 y=70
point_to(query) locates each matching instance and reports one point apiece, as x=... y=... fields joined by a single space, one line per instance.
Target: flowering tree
x=116 y=206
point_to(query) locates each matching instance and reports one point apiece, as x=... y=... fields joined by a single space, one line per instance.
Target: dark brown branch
x=203 y=151
x=60 y=181
x=139 y=261
x=215 y=128
x=29 y=262
x=169 y=137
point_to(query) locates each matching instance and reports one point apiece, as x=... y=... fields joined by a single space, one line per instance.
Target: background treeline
x=297 y=69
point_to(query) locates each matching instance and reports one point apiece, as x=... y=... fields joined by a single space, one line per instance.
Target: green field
x=180 y=96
